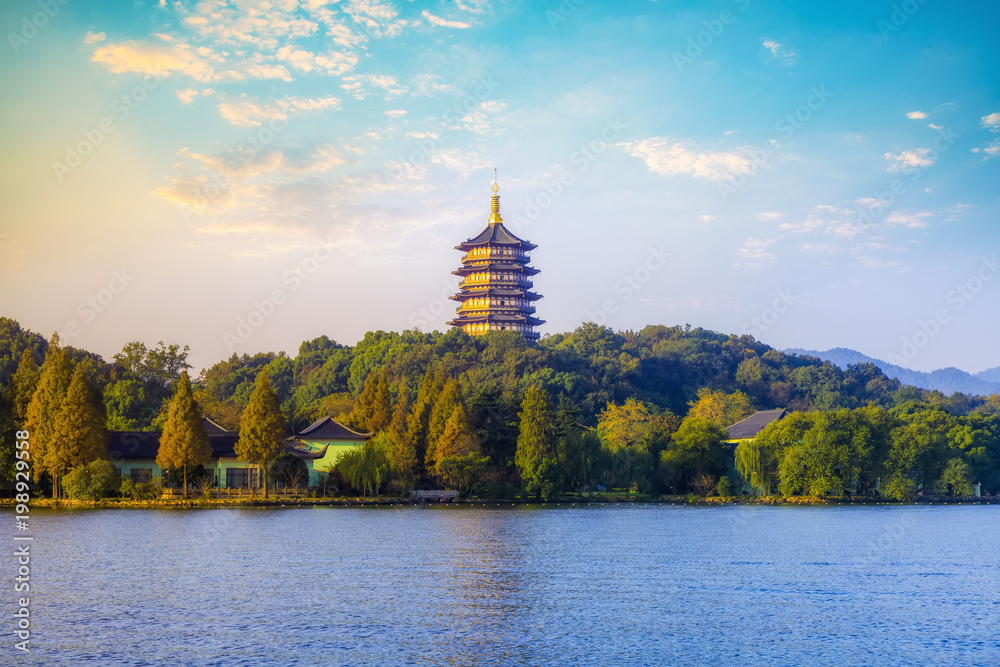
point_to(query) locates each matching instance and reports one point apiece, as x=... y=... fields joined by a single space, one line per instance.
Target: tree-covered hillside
x=662 y=394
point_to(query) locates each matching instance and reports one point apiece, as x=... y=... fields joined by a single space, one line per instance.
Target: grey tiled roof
x=754 y=424
x=328 y=428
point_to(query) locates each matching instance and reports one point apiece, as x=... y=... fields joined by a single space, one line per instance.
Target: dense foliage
x=635 y=411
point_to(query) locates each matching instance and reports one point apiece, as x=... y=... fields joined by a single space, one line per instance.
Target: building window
x=141 y=475
x=237 y=478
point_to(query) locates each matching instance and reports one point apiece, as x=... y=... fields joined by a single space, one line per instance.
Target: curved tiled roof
x=303 y=453
x=328 y=428
x=498 y=234
x=754 y=424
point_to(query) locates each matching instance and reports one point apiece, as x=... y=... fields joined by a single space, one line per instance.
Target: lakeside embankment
x=200 y=503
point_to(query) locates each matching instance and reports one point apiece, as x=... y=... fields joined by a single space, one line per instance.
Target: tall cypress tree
x=449 y=398
x=262 y=427
x=184 y=443
x=420 y=416
x=536 y=446
x=22 y=386
x=457 y=440
x=80 y=436
x=46 y=404
x=373 y=408
x=401 y=451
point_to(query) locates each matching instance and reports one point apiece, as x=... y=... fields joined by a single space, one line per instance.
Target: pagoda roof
x=329 y=428
x=470 y=267
x=495 y=233
x=472 y=292
x=303 y=452
x=497 y=318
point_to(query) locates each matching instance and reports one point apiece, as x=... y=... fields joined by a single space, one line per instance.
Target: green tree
x=373 y=409
x=536 y=457
x=22 y=386
x=184 y=443
x=46 y=406
x=262 y=427
x=720 y=408
x=449 y=399
x=698 y=443
x=80 y=436
x=955 y=479
x=418 y=423
x=95 y=481
x=456 y=441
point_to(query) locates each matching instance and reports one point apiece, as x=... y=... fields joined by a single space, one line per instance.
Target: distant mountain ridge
x=946 y=380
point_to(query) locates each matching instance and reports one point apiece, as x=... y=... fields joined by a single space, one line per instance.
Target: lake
x=586 y=585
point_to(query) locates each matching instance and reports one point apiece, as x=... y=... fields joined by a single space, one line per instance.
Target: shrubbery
x=94 y=481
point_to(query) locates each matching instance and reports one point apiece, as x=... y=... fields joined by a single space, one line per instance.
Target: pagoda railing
x=529 y=310
x=526 y=284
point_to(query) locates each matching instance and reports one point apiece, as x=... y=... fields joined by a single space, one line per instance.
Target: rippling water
x=599 y=585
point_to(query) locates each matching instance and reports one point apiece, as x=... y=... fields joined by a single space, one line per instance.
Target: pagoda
x=496 y=281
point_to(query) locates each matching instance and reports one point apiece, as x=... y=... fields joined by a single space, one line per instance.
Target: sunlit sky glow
x=331 y=154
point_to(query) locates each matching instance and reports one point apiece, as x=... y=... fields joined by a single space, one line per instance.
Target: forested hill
x=945 y=380
x=592 y=366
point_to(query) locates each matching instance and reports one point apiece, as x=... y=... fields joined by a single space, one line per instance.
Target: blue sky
x=242 y=176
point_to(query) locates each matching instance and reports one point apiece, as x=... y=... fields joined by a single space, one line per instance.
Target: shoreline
x=198 y=503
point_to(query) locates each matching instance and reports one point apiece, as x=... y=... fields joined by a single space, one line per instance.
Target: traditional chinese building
x=496 y=281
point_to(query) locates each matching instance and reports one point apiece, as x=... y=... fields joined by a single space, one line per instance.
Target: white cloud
x=906 y=219
x=705 y=217
x=430 y=84
x=991 y=122
x=756 y=252
x=93 y=37
x=769 y=215
x=916 y=115
x=187 y=95
x=358 y=85
x=819 y=248
x=250 y=112
x=778 y=50
x=935 y=126
x=443 y=22
x=462 y=161
x=483 y=119
x=916 y=158
x=670 y=157
x=956 y=212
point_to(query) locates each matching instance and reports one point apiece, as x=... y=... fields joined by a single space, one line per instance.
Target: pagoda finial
x=495 y=204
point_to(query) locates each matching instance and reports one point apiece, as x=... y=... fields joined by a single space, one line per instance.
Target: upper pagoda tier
x=495 y=292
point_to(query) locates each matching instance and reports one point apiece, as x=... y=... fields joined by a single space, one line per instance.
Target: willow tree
x=46 y=404
x=80 y=436
x=184 y=443
x=751 y=464
x=262 y=427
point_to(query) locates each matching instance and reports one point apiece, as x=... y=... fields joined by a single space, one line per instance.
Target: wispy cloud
x=916 y=115
x=916 y=158
x=461 y=25
x=250 y=112
x=670 y=157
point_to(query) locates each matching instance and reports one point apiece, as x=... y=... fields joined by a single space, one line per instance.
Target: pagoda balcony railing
x=470 y=257
x=526 y=284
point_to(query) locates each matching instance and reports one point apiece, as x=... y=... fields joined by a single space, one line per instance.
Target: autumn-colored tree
x=373 y=409
x=46 y=405
x=633 y=425
x=720 y=408
x=80 y=436
x=262 y=427
x=456 y=441
x=449 y=398
x=536 y=457
x=418 y=422
x=399 y=448
x=184 y=443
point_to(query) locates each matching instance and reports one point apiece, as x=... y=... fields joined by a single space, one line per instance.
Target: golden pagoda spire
x=495 y=204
